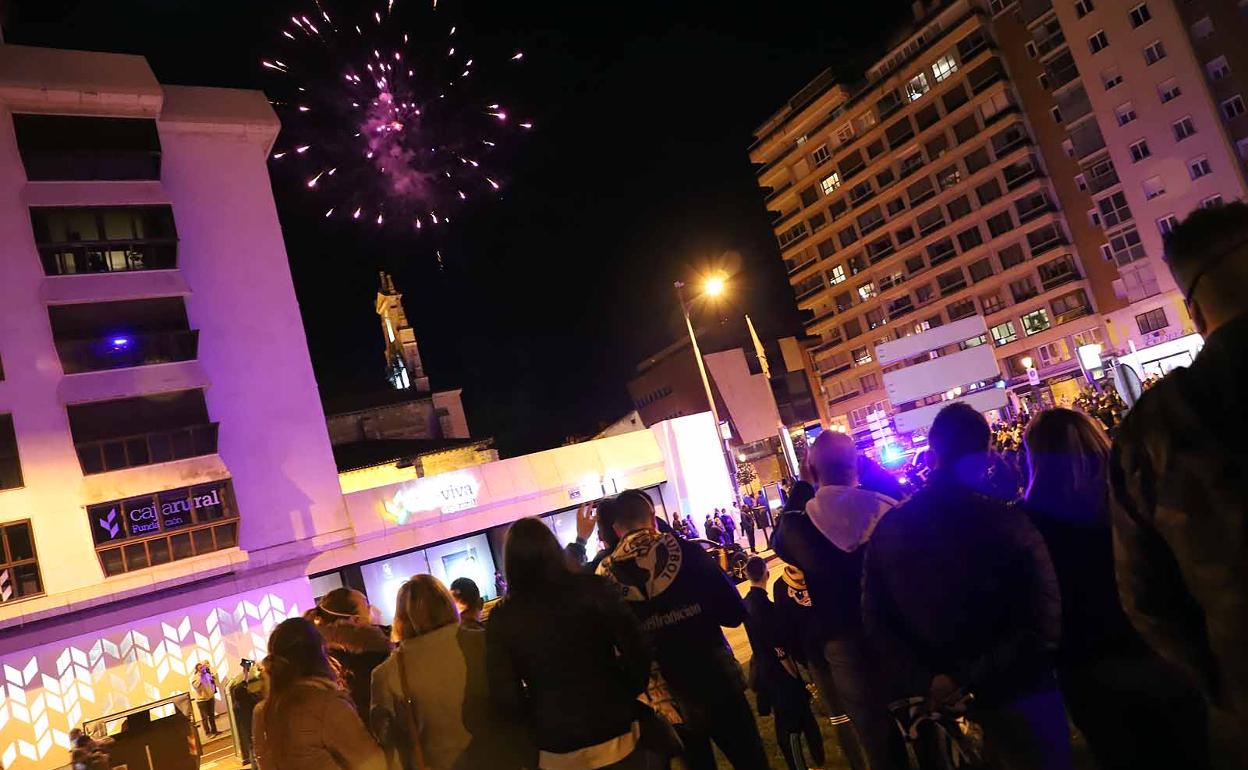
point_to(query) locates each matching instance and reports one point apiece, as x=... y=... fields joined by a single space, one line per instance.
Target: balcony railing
x=1072 y=314
x=109 y=257
x=777 y=191
x=1018 y=174
x=147 y=448
x=1107 y=178
x=125 y=350
x=1063 y=271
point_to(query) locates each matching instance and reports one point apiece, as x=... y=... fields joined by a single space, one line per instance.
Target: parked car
x=731 y=558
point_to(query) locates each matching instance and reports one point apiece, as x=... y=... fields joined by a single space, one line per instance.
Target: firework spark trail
x=378 y=120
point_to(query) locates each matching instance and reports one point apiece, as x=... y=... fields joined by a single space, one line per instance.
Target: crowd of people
x=1101 y=582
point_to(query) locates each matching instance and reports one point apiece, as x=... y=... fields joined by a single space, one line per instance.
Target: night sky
x=636 y=175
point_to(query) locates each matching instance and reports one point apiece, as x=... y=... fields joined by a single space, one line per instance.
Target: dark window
x=875 y=149
x=1031 y=206
x=1152 y=321
x=861 y=192
x=844 y=301
x=809 y=196
x=888 y=104
x=895 y=206
x=911 y=163
x=1023 y=289
x=903 y=234
x=857 y=264
x=1000 y=224
x=920 y=191
x=988 y=191
x=951 y=281
x=19 y=563
x=915 y=264
x=164 y=526
x=826 y=248
x=817 y=221
x=955 y=97
x=940 y=251
x=870 y=220
x=966 y=129
x=130 y=432
x=981 y=269
x=976 y=160
x=62 y=147
x=851 y=164
x=853 y=328
x=838 y=208
x=971 y=45
x=847 y=236
x=969 y=239
x=930 y=221
x=963 y=308
x=10 y=463
x=927 y=117
x=885 y=178
x=959 y=207
x=1011 y=255
x=899 y=133
x=937 y=146
x=104 y=239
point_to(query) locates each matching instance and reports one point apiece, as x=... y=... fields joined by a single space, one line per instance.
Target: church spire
x=403 y=363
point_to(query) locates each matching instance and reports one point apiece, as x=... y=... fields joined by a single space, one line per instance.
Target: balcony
x=1061 y=70
x=800 y=262
x=119 y=352
x=1031 y=10
x=147 y=448
x=1073 y=104
x=1102 y=176
x=1044 y=239
x=777 y=191
x=78 y=147
x=1018 y=174
x=1087 y=139
x=1048 y=39
x=1058 y=272
x=985 y=75
x=1009 y=140
x=1033 y=206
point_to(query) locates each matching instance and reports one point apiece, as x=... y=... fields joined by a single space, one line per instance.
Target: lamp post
x=712 y=288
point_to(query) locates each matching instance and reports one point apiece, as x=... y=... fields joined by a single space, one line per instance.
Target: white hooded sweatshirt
x=847 y=516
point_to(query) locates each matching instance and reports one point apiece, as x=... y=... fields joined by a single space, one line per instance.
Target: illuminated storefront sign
x=444 y=493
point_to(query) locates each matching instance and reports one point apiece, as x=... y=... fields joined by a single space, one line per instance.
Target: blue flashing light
x=121 y=342
x=891 y=454
x=1000 y=383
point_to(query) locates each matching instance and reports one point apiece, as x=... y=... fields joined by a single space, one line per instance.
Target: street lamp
x=713 y=287
x=1033 y=378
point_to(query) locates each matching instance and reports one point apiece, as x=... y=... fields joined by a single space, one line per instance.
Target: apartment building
x=923 y=197
x=165 y=470
x=1155 y=117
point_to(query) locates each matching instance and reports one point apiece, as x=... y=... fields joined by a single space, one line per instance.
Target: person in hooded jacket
x=355 y=645
x=682 y=599
x=826 y=541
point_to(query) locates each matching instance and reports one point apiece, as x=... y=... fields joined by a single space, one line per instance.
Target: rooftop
x=402 y=451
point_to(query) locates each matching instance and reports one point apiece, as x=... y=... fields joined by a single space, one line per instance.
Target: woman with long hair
x=289 y=726
x=1135 y=709
x=567 y=658
x=355 y=645
x=430 y=699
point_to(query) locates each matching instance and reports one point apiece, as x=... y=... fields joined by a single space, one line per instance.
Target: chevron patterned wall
x=48 y=690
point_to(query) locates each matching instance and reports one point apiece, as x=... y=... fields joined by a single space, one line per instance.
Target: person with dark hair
x=729 y=526
x=204 y=692
x=289 y=727
x=436 y=681
x=355 y=645
x=1111 y=681
x=959 y=596
x=682 y=599
x=714 y=530
x=825 y=538
x=469 y=602
x=1179 y=481
x=774 y=676
x=566 y=658
x=747 y=524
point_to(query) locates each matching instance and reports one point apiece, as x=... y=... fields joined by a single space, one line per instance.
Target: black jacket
x=833 y=577
x=956 y=583
x=773 y=684
x=682 y=599
x=569 y=664
x=797 y=622
x=1179 y=483
x=356 y=650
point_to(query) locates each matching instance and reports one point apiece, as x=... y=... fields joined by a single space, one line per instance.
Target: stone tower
x=403 y=365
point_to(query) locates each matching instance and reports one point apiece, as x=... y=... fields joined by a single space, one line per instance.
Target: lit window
x=1218 y=69
x=1098 y=42
x=1125 y=113
x=19 y=564
x=1083 y=8
x=1036 y=321
x=1166 y=224
x=1232 y=108
x=944 y=67
x=866 y=291
x=1154 y=187
x=830 y=183
x=1202 y=28
x=1004 y=333
x=1139 y=151
x=916 y=87
x=1168 y=90
x=1154 y=52
x=837 y=275
x=1183 y=128
x=1199 y=167
x=861 y=356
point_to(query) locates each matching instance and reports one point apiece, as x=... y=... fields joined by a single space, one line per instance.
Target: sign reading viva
x=444 y=493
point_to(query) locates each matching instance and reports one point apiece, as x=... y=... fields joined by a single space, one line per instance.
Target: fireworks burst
x=384 y=115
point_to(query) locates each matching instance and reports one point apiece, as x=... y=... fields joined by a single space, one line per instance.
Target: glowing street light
x=714 y=286
x=1026 y=362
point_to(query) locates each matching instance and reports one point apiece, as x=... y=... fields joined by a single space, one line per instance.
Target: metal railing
x=147 y=448
x=108 y=257
x=120 y=351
